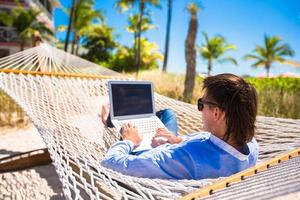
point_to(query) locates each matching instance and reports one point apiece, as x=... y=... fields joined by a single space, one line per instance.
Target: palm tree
x=165 y=64
x=84 y=15
x=190 y=53
x=124 y=5
x=71 y=17
x=213 y=49
x=133 y=28
x=123 y=58
x=81 y=22
x=272 y=51
x=26 y=24
x=99 y=44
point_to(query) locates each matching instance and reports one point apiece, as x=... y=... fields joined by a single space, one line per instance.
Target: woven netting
x=45 y=58
x=66 y=113
x=279 y=181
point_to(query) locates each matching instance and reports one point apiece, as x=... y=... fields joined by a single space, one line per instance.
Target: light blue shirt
x=199 y=156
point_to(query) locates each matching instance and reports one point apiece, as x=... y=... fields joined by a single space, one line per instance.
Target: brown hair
x=238 y=99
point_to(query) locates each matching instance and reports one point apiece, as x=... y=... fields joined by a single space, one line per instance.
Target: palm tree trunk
x=190 y=57
x=22 y=44
x=167 y=35
x=77 y=46
x=74 y=42
x=209 y=67
x=268 y=70
x=138 y=63
x=135 y=46
x=70 y=25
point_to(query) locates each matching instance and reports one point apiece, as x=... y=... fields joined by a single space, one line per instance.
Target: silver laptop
x=132 y=101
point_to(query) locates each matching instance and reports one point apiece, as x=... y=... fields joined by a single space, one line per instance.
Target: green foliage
x=125 y=5
x=85 y=17
x=136 y=25
x=214 y=49
x=193 y=8
x=278 y=97
x=133 y=23
x=123 y=60
x=26 y=23
x=99 y=44
x=280 y=83
x=272 y=51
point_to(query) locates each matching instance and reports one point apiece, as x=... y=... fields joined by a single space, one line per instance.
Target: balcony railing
x=8 y=34
x=45 y=8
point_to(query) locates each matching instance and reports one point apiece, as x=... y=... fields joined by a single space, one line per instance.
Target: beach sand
x=35 y=183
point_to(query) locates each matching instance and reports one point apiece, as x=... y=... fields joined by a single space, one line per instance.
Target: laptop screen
x=131 y=99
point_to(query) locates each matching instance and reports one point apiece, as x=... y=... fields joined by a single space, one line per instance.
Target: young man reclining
x=229 y=108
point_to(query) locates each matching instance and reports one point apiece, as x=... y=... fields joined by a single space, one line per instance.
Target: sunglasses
x=202 y=101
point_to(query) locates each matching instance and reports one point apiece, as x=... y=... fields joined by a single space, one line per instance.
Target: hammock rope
x=65 y=110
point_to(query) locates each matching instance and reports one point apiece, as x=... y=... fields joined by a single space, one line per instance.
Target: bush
x=278 y=97
x=123 y=59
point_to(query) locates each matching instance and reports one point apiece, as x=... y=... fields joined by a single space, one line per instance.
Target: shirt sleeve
x=166 y=161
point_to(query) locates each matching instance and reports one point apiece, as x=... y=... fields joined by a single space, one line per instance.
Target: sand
x=35 y=183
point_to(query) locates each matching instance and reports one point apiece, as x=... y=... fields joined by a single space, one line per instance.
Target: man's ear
x=218 y=114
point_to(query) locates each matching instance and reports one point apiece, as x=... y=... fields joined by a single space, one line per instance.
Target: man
x=229 y=108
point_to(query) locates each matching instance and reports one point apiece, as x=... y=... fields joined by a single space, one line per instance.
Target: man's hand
x=129 y=132
x=163 y=136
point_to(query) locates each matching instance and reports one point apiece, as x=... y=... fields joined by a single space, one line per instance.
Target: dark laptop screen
x=131 y=99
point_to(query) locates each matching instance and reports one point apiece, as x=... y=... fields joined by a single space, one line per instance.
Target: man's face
x=207 y=118
x=213 y=116
x=207 y=114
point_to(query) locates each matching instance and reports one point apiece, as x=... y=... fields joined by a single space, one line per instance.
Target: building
x=9 y=42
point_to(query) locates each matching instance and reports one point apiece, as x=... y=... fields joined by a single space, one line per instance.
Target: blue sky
x=242 y=22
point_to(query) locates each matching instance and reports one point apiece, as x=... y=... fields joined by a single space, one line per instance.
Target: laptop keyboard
x=146 y=126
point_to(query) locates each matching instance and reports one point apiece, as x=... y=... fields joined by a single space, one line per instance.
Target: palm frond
x=61 y=28
x=124 y=5
x=228 y=59
x=285 y=50
x=259 y=63
x=252 y=57
x=230 y=47
x=205 y=37
x=193 y=8
x=6 y=18
x=291 y=63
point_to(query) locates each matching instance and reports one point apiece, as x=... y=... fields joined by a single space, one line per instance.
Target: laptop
x=132 y=102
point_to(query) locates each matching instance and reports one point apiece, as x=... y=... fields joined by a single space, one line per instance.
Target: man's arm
x=167 y=161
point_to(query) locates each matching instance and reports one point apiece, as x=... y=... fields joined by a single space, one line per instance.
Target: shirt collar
x=228 y=148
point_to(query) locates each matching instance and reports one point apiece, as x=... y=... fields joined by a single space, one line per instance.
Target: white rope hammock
x=45 y=58
x=65 y=110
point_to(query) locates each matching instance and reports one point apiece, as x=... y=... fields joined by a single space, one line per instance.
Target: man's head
x=229 y=103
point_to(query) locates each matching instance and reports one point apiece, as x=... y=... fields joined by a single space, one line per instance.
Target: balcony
x=45 y=6
x=8 y=34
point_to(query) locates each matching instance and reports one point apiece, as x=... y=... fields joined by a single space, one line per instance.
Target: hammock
x=65 y=108
x=277 y=178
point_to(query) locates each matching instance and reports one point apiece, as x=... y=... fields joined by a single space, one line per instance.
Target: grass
x=169 y=84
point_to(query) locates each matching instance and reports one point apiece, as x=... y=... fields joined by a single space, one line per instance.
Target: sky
x=243 y=23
